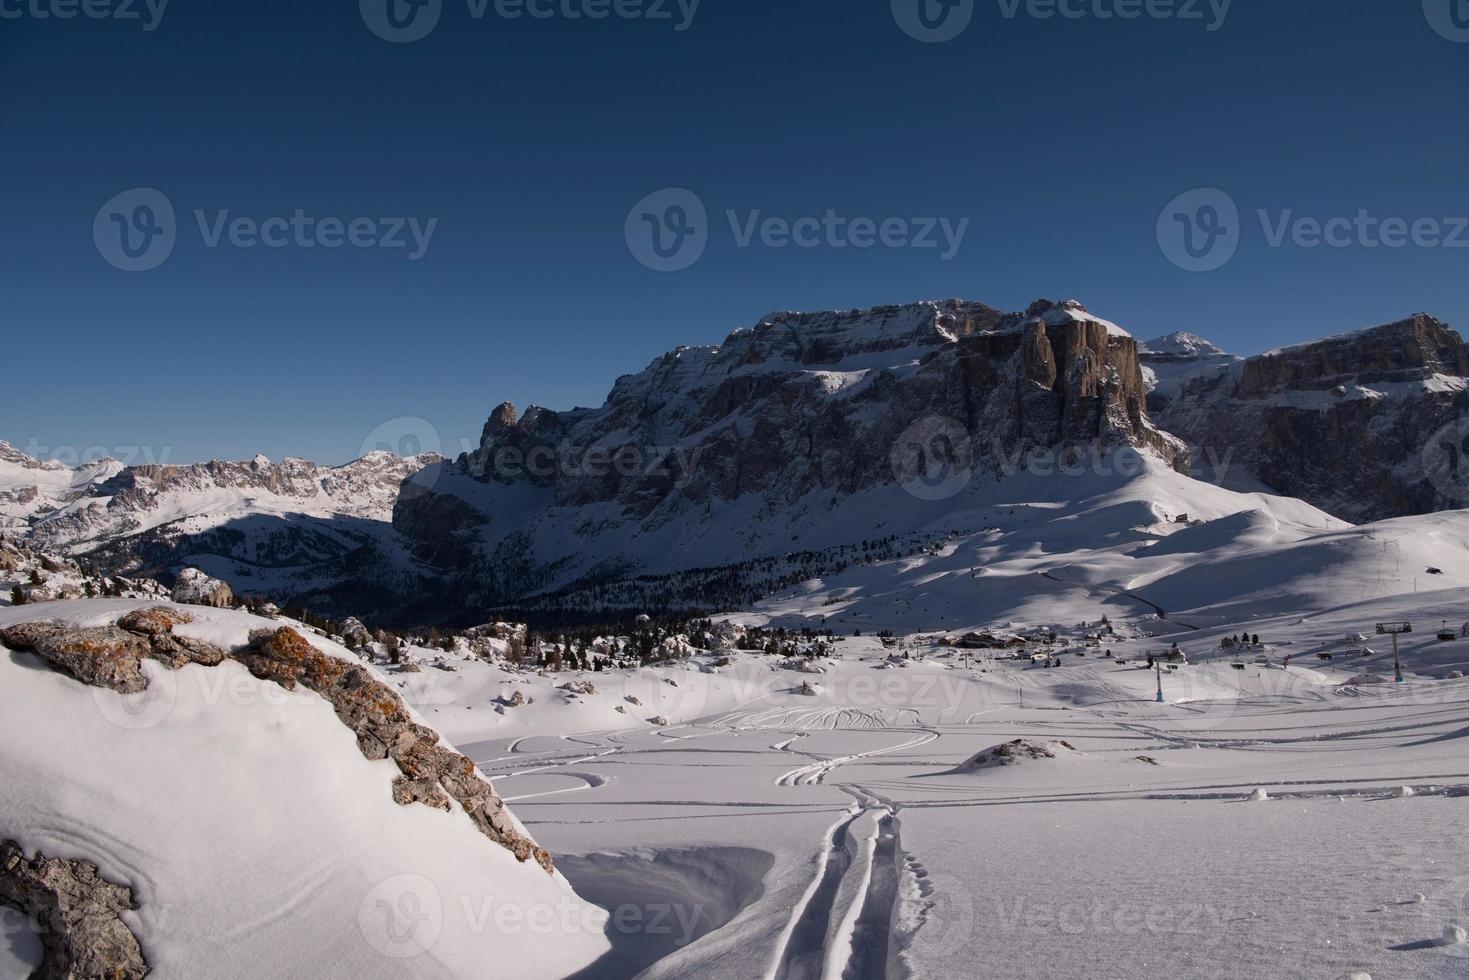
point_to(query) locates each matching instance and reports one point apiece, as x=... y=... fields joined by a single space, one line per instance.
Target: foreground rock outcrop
x=430 y=773
x=77 y=914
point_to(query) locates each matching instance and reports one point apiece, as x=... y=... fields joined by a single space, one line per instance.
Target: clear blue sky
x=1060 y=140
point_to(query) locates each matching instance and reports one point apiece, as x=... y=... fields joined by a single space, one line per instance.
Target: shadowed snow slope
x=1055 y=550
x=1058 y=549
x=256 y=838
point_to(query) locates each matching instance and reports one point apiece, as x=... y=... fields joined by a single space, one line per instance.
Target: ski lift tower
x=1395 y=630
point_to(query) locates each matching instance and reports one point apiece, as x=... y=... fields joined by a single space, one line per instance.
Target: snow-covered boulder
x=193 y=587
x=355 y=632
x=1013 y=753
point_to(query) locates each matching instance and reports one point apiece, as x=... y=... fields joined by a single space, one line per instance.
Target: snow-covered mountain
x=1168 y=362
x=1366 y=425
x=136 y=499
x=30 y=487
x=287 y=529
x=809 y=432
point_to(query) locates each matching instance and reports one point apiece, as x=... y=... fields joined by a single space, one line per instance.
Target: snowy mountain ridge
x=1353 y=423
x=797 y=446
x=806 y=432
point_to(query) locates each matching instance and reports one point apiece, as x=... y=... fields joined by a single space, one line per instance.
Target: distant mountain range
x=797 y=448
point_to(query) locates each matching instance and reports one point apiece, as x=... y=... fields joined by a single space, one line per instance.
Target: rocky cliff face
x=1350 y=423
x=714 y=455
x=817 y=401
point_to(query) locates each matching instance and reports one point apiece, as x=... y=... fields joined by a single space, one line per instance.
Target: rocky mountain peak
x=1341 y=422
x=1179 y=346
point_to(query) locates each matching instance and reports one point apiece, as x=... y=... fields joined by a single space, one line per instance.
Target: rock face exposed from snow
x=78 y=915
x=194 y=588
x=696 y=459
x=1343 y=423
x=431 y=773
x=1013 y=753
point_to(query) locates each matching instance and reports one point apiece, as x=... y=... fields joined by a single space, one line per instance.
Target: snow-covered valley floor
x=864 y=815
x=770 y=832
